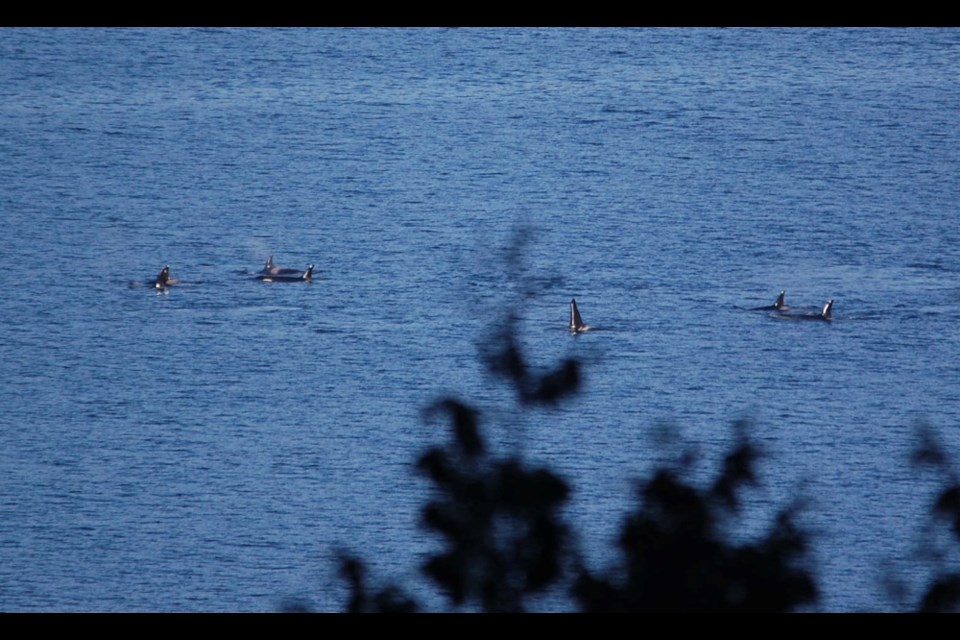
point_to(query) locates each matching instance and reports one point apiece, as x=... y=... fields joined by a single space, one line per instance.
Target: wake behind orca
x=306 y=276
x=576 y=322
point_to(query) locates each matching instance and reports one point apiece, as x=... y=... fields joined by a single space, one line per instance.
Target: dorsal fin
x=827 y=312
x=308 y=274
x=162 y=278
x=576 y=322
x=779 y=304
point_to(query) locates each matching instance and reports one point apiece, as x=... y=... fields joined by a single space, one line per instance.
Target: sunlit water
x=213 y=447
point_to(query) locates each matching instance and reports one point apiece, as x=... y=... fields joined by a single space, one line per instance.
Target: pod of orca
x=269 y=273
x=779 y=309
x=272 y=273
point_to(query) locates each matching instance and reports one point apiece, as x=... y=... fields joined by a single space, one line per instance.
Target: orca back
x=270 y=269
x=306 y=276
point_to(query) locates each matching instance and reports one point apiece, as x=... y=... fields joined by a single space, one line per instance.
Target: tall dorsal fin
x=827 y=312
x=576 y=322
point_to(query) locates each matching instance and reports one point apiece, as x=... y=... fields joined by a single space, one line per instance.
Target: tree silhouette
x=505 y=539
x=499 y=518
x=675 y=558
x=387 y=600
x=943 y=595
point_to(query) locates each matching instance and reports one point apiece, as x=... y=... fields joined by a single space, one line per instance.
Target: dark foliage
x=506 y=541
x=948 y=507
x=944 y=593
x=498 y=517
x=504 y=358
x=388 y=600
x=675 y=558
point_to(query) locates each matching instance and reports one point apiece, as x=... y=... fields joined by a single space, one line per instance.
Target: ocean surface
x=215 y=446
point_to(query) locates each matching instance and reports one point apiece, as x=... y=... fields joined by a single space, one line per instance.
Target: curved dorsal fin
x=827 y=312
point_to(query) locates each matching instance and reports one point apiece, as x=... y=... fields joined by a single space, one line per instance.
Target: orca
x=576 y=322
x=825 y=314
x=778 y=305
x=270 y=269
x=306 y=276
x=164 y=280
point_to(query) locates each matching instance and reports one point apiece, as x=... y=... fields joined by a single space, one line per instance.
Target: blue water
x=212 y=448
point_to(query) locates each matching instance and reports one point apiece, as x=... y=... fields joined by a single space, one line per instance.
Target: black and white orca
x=164 y=280
x=306 y=276
x=825 y=314
x=270 y=269
x=778 y=305
x=576 y=322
